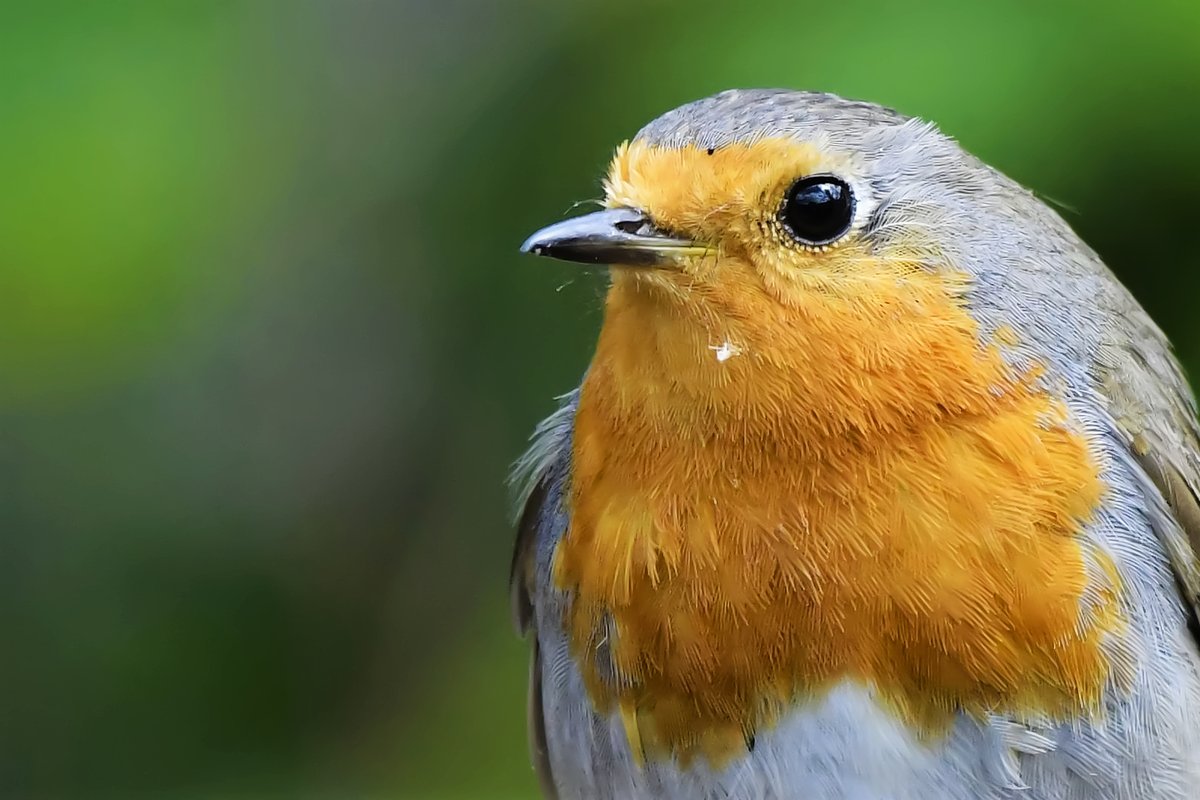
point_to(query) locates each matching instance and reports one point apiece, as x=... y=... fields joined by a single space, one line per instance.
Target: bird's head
x=811 y=233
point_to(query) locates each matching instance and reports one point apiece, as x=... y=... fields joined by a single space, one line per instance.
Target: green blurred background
x=267 y=348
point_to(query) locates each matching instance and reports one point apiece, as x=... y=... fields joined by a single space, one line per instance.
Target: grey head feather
x=746 y=115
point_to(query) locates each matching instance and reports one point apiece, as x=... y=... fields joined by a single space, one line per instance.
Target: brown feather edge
x=1182 y=499
x=1176 y=484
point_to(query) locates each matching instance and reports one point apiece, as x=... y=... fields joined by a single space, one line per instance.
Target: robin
x=879 y=484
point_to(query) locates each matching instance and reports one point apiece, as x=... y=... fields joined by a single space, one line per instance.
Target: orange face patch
x=712 y=194
x=771 y=498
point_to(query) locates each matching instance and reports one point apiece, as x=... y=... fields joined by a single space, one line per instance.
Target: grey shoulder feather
x=550 y=439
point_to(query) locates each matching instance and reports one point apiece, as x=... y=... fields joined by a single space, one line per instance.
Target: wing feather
x=541 y=475
x=1153 y=407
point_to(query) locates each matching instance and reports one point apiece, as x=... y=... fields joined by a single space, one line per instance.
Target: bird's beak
x=621 y=236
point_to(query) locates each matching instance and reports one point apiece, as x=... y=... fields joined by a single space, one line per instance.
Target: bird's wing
x=1155 y=412
x=542 y=473
x=524 y=558
x=521 y=589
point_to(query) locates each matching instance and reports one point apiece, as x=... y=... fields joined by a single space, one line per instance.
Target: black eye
x=818 y=209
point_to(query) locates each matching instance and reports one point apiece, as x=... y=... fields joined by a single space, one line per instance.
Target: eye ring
x=818 y=210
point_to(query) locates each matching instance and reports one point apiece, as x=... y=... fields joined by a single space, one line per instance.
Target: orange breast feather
x=861 y=493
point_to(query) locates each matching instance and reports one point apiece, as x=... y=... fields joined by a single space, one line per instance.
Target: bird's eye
x=818 y=209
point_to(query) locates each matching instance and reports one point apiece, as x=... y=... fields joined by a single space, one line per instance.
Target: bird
x=879 y=484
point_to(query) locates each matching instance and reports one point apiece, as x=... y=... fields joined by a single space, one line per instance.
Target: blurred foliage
x=268 y=349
